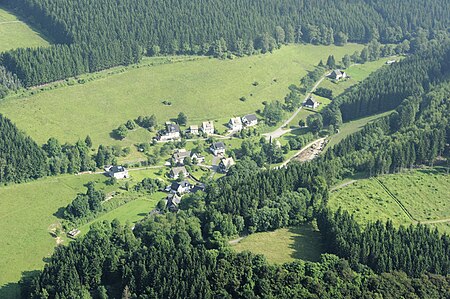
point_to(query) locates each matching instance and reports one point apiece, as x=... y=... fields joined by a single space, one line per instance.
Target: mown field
x=28 y=210
x=16 y=34
x=424 y=194
x=285 y=245
x=203 y=89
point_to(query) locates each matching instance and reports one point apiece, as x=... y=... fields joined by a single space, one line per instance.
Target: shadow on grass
x=59 y=214
x=13 y=290
x=308 y=243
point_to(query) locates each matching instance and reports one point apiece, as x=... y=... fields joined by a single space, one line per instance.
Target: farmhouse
x=311 y=103
x=218 y=148
x=173 y=200
x=338 y=75
x=180 y=187
x=208 y=127
x=250 y=120
x=194 y=130
x=179 y=156
x=118 y=172
x=197 y=158
x=172 y=132
x=235 y=124
x=225 y=164
x=177 y=171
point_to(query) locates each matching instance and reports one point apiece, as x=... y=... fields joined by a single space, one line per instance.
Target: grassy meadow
x=27 y=212
x=16 y=34
x=424 y=193
x=285 y=245
x=203 y=89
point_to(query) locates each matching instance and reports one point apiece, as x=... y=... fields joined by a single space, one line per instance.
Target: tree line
x=94 y=36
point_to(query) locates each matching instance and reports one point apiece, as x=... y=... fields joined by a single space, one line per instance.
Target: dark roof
x=182 y=184
x=116 y=169
x=218 y=145
x=172 y=128
x=250 y=117
x=200 y=187
x=310 y=101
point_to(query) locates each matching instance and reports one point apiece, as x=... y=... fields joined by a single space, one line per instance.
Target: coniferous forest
x=92 y=36
x=186 y=254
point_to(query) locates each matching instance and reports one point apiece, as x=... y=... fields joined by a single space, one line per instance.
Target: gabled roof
x=193 y=127
x=310 y=101
x=117 y=169
x=182 y=184
x=172 y=128
x=227 y=162
x=235 y=121
x=181 y=154
x=250 y=117
x=177 y=170
x=207 y=125
x=218 y=145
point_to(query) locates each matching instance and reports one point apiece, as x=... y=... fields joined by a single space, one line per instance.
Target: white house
x=311 y=103
x=181 y=187
x=177 y=171
x=208 y=127
x=218 y=148
x=179 y=156
x=235 y=124
x=225 y=164
x=172 y=132
x=338 y=75
x=118 y=172
x=197 y=157
x=250 y=120
x=193 y=130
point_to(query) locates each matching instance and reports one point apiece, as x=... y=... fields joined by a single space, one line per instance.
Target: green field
x=203 y=89
x=285 y=245
x=28 y=210
x=424 y=194
x=16 y=34
x=351 y=127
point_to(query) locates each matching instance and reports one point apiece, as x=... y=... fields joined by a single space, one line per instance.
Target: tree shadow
x=308 y=243
x=59 y=214
x=21 y=288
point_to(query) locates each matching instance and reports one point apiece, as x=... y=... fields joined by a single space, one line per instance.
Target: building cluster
x=236 y=124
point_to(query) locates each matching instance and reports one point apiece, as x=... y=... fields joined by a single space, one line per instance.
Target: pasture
x=423 y=193
x=28 y=210
x=285 y=245
x=203 y=89
x=16 y=34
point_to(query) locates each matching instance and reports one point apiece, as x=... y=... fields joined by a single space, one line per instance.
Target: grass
x=16 y=34
x=424 y=193
x=26 y=212
x=203 y=89
x=285 y=245
x=351 y=127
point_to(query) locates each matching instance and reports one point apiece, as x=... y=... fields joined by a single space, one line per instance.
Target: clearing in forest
x=422 y=195
x=204 y=89
x=16 y=34
x=285 y=245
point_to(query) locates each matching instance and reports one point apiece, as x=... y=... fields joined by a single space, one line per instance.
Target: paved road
x=9 y=22
x=280 y=131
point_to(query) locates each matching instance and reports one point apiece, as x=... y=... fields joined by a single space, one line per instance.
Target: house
x=194 y=130
x=172 y=132
x=311 y=103
x=218 y=148
x=235 y=124
x=173 y=200
x=250 y=120
x=198 y=187
x=180 y=187
x=208 y=127
x=179 y=156
x=118 y=172
x=338 y=75
x=389 y=62
x=197 y=157
x=177 y=171
x=225 y=164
